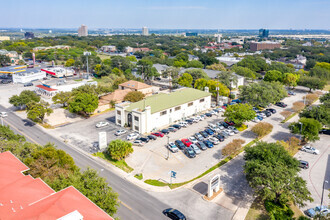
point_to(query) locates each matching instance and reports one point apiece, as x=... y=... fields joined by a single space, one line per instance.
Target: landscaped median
x=121 y=164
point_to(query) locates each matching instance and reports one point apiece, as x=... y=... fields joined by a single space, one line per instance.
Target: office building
x=83 y=31
x=264 y=45
x=263 y=33
x=163 y=109
x=145 y=31
x=218 y=36
x=29 y=35
x=191 y=34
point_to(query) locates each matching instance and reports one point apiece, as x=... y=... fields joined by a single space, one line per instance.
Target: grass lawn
x=121 y=164
x=327 y=87
x=139 y=176
x=242 y=128
x=257 y=211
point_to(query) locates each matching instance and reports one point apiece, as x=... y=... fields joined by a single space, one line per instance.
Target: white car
x=138 y=143
x=221 y=110
x=195 y=120
x=193 y=140
x=132 y=136
x=3 y=114
x=202 y=117
x=310 y=149
x=256 y=120
x=233 y=129
x=120 y=132
x=229 y=132
x=214 y=140
x=212 y=112
x=199 y=118
x=172 y=147
x=102 y=124
x=221 y=127
x=195 y=148
x=183 y=124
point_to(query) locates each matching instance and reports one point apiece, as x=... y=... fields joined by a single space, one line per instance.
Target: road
x=135 y=202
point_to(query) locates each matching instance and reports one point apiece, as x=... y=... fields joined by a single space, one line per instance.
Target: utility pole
x=168 y=150
x=300 y=132
x=86 y=53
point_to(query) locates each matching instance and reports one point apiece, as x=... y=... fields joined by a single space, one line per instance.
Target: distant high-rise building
x=218 y=36
x=83 y=31
x=263 y=33
x=29 y=35
x=191 y=34
x=145 y=31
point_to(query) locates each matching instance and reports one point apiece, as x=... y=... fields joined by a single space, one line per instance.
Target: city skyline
x=170 y=14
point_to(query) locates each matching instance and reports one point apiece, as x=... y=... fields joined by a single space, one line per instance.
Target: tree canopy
x=239 y=113
x=36 y=111
x=255 y=64
x=119 y=149
x=24 y=98
x=308 y=127
x=84 y=103
x=134 y=96
x=185 y=80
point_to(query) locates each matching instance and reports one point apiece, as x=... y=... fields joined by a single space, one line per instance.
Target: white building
x=83 y=31
x=163 y=109
x=28 y=76
x=58 y=72
x=145 y=31
x=109 y=48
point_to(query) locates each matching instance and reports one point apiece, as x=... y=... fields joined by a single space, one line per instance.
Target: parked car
x=291 y=93
x=195 y=148
x=172 y=129
x=212 y=112
x=208 y=114
x=180 y=144
x=138 y=143
x=208 y=143
x=223 y=133
x=214 y=140
x=176 y=126
x=6 y=81
x=152 y=137
x=325 y=131
x=204 y=134
x=199 y=118
x=273 y=111
x=224 y=124
x=3 y=114
x=132 y=136
x=165 y=131
x=232 y=128
x=172 y=147
x=186 y=142
x=102 y=124
x=230 y=123
x=189 y=121
x=219 y=137
x=201 y=145
x=120 y=132
x=199 y=137
x=255 y=109
x=28 y=84
x=193 y=140
x=310 y=149
x=303 y=164
x=189 y=152
x=183 y=124
x=260 y=117
x=209 y=131
x=318 y=210
x=220 y=126
x=174 y=214
x=229 y=132
x=144 y=139
x=267 y=113
x=158 y=134
x=281 y=104
x=256 y=119
x=195 y=119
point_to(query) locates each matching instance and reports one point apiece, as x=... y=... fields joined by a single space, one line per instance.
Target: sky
x=166 y=14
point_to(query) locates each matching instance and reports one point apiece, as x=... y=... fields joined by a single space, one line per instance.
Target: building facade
x=145 y=31
x=83 y=31
x=264 y=45
x=263 y=33
x=133 y=85
x=161 y=110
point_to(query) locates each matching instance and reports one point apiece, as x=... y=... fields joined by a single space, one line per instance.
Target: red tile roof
x=23 y=197
x=46 y=88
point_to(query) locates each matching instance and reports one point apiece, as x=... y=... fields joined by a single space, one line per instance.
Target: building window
x=119 y=121
x=190 y=104
x=136 y=128
x=177 y=108
x=136 y=118
x=163 y=113
x=118 y=112
x=201 y=100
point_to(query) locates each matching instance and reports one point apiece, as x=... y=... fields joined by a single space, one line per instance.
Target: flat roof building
x=163 y=109
x=83 y=31
x=264 y=45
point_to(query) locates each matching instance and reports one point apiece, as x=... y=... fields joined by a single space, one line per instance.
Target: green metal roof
x=164 y=101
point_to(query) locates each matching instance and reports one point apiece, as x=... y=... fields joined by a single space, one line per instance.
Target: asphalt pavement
x=135 y=202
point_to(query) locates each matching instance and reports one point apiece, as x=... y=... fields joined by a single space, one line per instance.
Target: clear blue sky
x=201 y=14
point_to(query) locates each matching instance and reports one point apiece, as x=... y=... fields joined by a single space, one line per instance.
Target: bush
x=310 y=98
x=119 y=149
x=278 y=211
x=286 y=114
x=298 y=106
x=262 y=129
x=233 y=147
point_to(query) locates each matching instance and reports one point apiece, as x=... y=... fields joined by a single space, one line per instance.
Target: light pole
x=325 y=181
x=168 y=150
x=300 y=131
x=86 y=53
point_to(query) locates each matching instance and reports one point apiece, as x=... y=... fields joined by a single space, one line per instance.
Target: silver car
x=310 y=149
x=172 y=147
x=233 y=129
x=195 y=148
x=102 y=124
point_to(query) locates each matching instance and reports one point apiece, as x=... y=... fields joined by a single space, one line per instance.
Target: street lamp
x=300 y=131
x=86 y=53
x=325 y=181
x=168 y=150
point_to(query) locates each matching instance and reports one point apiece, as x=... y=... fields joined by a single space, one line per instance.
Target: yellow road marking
x=126 y=205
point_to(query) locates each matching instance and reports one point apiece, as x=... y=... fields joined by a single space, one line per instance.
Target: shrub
x=310 y=98
x=262 y=129
x=278 y=211
x=298 y=106
x=286 y=114
x=233 y=147
x=119 y=149
x=134 y=96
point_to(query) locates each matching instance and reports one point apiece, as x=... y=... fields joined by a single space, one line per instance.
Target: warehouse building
x=163 y=109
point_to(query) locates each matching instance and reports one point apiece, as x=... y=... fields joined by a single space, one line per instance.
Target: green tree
x=195 y=64
x=23 y=98
x=239 y=113
x=321 y=72
x=273 y=75
x=216 y=66
x=200 y=84
x=312 y=82
x=84 y=103
x=273 y=174
x=134 y=96
x=36 y=111
x=119 y=149
x=228 y=79
x=182 y=56
x=62 y=98
x=172 y=72
x=291 y=79
x=179 y=63
x=255 y=64
x=8 y=135
x=4 y=60
x=185 y=80
x=320 y=113
x=197 y=74
x=132 y=58
x=146 y=69
x=281 y=67
x=213 y=85
x=243 y=71
x=308 y=127
x=69 y=62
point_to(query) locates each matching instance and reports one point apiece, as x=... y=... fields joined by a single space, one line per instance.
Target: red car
x=230 y=123
x=186 y=142
x=158 y=134
x=224 y=107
